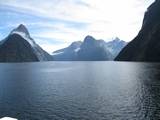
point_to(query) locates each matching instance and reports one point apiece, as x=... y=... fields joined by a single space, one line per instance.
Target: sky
x=54 y=24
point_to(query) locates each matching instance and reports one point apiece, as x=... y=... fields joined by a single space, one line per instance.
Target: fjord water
x=80 y=90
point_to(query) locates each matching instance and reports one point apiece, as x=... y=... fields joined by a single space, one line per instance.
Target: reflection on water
x=80 y=90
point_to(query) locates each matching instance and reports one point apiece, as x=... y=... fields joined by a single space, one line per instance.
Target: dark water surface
x=80 y=91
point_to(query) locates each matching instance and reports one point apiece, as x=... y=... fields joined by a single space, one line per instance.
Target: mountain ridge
x=146 y=45
x=18 y=46
x=90 y=45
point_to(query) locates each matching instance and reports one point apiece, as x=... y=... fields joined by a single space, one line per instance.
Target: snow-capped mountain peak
x=18 y=46
x=21 y=28
x=24 y=33
x=90 y=49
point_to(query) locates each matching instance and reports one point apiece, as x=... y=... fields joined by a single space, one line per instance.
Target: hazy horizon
x=54 y=24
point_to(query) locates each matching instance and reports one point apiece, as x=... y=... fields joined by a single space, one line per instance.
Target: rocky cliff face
x=146 y=45
x=20 y=47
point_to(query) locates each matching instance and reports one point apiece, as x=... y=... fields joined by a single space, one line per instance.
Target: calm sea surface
x=80 y=91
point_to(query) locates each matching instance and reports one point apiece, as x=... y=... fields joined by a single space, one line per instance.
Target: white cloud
x=104 y=18
x=62 y=33
x=50 y=47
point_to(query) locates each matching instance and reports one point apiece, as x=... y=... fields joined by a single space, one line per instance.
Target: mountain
x=93 y=50
x=18 y=46
x=146 y=45
x=69 y=53
x=115 y=46
x=90 y=50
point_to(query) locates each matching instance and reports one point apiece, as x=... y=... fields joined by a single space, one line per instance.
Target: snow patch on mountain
x=57 y=53
x=77 y=49
x=26 y=37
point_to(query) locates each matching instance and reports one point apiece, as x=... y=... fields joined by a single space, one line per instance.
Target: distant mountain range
x=18 y=46
x=146 y=45
x=90 y=50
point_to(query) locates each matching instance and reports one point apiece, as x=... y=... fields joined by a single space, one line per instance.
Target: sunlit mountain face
x=54 y=24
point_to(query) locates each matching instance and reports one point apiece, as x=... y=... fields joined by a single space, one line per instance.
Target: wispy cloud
x=69 y=20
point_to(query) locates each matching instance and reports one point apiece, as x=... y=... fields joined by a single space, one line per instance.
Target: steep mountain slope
x=20 y=47
x=90 y=49
x=115 y=46
x=146 y=46
x=94 y=50
x=68 y=53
